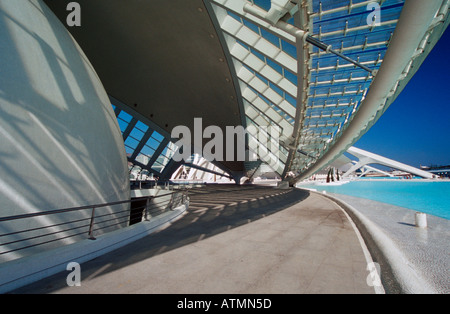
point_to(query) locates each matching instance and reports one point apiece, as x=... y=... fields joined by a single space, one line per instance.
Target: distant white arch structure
x=365 y=158
x=200 y=169
x=366 y=169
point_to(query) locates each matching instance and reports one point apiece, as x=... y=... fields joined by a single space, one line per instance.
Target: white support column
x=361 y=163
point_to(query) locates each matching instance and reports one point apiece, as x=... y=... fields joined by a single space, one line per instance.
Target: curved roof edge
x=418 y=21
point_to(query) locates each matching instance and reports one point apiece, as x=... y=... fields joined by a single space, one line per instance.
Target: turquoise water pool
x=429 y=197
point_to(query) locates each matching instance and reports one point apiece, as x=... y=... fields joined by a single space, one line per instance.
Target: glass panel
x=141 y=126
x=252 y=26
x=258 y=54
x=125 y=116
x=236 y=17
x=152 y=143
x=157 y=136
x=291 y=77
x=148 y=151
x=143 y=159
x=289 y=49
x=131 y=142
x=291 y=100
x=122 y=125
x=277 y=89
x=136 y=134
x=129 y=150
x=265 y=4
x=270 y=37
x=275 y=66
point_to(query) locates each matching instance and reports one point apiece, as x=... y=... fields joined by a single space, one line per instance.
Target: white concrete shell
x=60 y=144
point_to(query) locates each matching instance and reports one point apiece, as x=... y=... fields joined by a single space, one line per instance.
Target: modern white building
x=322 y=72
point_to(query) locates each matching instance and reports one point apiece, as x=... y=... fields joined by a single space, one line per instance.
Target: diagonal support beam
x=299 y=34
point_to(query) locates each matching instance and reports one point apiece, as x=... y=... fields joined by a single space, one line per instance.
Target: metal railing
x=165 y=184
x=88 y=223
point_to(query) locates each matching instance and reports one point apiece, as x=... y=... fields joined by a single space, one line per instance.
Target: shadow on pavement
x=212 y=210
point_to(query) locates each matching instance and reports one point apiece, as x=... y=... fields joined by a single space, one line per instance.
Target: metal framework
x=308 y=67
x=148 y=147
x=323 y=72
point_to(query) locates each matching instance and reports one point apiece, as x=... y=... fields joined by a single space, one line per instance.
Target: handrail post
x=91 y=225
x=146 y=208
x=171 y=201
x=185 y=197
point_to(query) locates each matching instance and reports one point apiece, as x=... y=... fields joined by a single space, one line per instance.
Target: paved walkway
x=234 y=240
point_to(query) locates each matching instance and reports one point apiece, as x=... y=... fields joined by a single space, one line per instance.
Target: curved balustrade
x=93 y=221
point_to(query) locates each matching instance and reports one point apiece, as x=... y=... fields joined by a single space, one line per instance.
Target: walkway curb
x=398 y=276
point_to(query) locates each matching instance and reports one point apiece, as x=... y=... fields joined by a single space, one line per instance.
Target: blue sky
x=416 y=128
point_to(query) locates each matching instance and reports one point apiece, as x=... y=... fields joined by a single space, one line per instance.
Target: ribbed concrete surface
x=235 y=240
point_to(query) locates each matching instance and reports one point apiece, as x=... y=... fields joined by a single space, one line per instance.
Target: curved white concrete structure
x=61 y=145
x=365 y=158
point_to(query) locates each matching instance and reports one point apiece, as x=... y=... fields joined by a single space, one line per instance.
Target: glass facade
x=321 y=101
x=147 y=150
